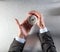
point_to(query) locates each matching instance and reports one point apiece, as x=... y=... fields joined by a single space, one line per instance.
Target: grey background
x=10 y=9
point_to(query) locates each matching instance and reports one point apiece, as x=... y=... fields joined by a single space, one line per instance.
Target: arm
x=47 y=42
x=45 y=37
x=18 y=43
x=16 y=46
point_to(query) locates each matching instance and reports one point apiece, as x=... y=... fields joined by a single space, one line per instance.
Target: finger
x=37 y=14
x=26 y=19
x=42 y=21
x=23 y=31
x=33 y=12
x=17 y=21
x=19 y=25
x=21 y=28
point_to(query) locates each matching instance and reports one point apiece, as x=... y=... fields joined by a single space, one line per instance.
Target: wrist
x=20 y=35
x=41 y=27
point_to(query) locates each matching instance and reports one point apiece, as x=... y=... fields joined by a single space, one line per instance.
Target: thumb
x=23 y=31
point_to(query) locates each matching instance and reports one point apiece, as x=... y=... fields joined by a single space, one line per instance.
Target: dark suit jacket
x=46 y=40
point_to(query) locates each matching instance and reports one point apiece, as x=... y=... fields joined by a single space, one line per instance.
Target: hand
x=41 y=22
x=39 y=16
x=24 y=28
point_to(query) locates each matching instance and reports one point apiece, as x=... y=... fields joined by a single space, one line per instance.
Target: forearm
x=47 y=42
x=17 y=45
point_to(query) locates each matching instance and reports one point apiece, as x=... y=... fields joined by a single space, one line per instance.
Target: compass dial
x=32 y=20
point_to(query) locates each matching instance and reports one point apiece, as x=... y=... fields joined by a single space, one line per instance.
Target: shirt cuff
x=21 y=40
x=43 y=30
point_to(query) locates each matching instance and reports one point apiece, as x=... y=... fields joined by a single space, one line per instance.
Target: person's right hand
x=24 y=27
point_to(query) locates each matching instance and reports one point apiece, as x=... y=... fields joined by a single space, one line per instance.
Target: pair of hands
x=25 y=26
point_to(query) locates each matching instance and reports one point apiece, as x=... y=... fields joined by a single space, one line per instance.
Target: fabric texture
x=16 y=46
x=47 y=43
x=45 y=38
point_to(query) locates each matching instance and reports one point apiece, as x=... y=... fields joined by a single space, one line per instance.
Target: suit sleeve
x=47 y=42
x=16 y=46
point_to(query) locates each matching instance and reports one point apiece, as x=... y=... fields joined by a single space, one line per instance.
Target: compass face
x=32 y=20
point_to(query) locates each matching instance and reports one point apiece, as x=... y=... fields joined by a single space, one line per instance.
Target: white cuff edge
x=43 y=30
x=21 y=40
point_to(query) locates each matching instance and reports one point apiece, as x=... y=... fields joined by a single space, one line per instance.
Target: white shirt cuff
x=43 y=30
x=21 y=40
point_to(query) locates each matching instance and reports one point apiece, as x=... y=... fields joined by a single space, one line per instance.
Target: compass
x=32 y=20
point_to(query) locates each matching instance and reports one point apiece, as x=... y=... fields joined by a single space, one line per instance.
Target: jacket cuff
x=43 y=30
x=21 y=40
